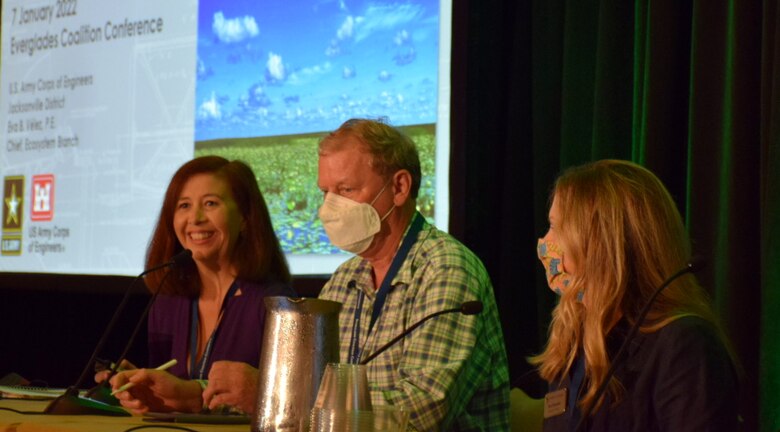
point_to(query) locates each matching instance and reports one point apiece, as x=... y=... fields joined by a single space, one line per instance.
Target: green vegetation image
x=286 y=170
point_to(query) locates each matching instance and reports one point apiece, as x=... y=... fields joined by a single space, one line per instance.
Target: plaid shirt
x=451 y=372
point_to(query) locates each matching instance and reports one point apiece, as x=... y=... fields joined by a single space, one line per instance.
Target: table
x=15 y=422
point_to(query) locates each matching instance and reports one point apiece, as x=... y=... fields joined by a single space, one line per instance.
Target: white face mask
x=350 y=225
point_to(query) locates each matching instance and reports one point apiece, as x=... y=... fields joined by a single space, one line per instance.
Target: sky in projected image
x=284 y=67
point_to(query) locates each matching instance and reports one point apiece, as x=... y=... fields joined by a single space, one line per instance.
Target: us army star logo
x=12 y=214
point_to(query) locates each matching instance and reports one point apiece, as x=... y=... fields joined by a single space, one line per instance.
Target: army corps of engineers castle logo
x=13 y=208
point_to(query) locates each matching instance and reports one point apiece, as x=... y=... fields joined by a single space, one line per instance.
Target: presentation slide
x=100 y=104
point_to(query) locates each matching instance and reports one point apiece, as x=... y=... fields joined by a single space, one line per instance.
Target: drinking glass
x=384 y=418
x=344 y=387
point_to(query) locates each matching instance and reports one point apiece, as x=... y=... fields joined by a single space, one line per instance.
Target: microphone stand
x=694 y=265
x=70 y=403
x=101 y=392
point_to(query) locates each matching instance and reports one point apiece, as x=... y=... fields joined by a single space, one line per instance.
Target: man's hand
x=233 y=384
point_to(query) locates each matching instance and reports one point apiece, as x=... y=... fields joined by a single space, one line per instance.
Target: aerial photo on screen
x=274 y=77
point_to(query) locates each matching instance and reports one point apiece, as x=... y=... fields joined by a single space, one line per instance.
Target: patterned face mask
x=551 y=256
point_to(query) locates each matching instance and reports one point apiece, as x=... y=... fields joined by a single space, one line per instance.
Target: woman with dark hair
x=615 y=237
x=210 y=309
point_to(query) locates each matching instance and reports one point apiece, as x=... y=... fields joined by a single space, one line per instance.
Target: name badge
x=555 y=403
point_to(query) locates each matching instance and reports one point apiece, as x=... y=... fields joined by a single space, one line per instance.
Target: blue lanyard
x=198 y=368
x=354 y=343
x=381 y=295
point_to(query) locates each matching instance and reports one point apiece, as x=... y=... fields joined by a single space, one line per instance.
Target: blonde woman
x=615 y=237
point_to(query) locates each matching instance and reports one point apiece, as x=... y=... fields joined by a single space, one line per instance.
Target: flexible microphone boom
x=695 y=264
x=102 y=392
x=467 y=308
x=70 y=403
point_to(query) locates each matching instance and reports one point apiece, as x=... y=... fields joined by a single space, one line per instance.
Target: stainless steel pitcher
x=300 y=338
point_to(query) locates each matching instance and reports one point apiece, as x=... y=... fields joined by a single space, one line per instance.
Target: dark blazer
x=680 y=378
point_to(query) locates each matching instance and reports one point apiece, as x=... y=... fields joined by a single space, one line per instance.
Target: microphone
x=694 y=265
x=473 y=307
x=179 y=259
x=101 y=392
x=70 y=403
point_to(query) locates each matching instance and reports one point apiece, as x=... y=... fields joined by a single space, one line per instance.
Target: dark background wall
x=687 y=88
x=52 y=323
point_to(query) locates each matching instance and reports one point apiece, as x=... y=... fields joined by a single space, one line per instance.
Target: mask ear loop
x=380 y=192
x=382 y=219
x=387 y=214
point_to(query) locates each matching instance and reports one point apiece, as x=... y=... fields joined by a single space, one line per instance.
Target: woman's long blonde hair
x=622 y=228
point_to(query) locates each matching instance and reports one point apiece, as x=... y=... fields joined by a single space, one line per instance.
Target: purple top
x=239 y=334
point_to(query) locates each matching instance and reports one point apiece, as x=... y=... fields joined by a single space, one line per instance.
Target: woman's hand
x=157 y=391
x=102 y=375
x=232 y=383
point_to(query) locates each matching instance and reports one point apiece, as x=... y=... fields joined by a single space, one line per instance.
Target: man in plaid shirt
x=450 y=373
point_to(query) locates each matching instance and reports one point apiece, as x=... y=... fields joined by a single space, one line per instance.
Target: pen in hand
x=129 y=385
